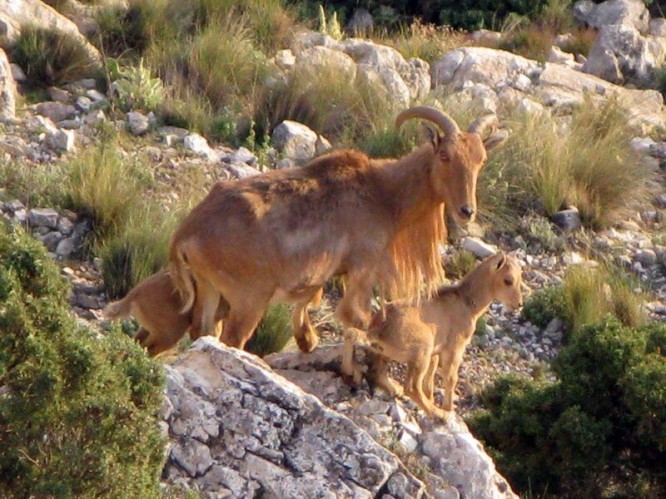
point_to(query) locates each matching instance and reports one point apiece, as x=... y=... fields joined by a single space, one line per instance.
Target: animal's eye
x=508 y=282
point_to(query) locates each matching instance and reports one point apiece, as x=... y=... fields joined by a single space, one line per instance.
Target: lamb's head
x=458 y=157
x=505 y=280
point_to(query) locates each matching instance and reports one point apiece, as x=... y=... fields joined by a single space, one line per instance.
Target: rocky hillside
x=236 y=426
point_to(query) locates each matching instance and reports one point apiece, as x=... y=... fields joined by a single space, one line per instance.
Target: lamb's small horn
x=441 y=119
x=480 y=125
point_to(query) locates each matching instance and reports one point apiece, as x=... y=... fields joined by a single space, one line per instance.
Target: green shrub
x=135 y=88
x=539 y=234
x=544 y=305
x=52 y=58
x=460 y=264
x=78 y=411
x=597 y=431
x=33 y=184
x=273 y=333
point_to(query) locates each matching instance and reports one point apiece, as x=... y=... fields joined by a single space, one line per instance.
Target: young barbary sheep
x=157 y=306
x=281 y=235
x=438 y=331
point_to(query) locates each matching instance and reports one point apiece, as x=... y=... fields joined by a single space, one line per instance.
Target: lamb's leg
x=416 y=372
x=429 y=380
x=378 y=375
x=449 y=369
x=354 y=312
x=305 y=335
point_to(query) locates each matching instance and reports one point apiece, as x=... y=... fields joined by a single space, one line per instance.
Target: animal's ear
x=496 y=139
x=513 y=254
x=501 y=261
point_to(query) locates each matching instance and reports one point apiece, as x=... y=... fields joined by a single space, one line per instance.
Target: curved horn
x=441 y=119
x=480 y=124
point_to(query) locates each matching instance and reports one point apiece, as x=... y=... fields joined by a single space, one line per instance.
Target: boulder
x=137 y=123
x=14 y=14
x=567 y=220
x=295 y=140
x=316 y=58
x=621 y=53
x=657 y=27
x=387 y=81
x=494 y=68
x=238 y=429
x=55 y=111
x=629 y=13
x=361 y=24
x=452 y=462
x=7 y=90
x=43 y=217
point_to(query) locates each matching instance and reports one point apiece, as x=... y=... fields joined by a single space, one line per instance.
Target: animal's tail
x=117 y=309
x=181 y=276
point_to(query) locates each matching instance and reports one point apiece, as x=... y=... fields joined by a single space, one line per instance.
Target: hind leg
x=204 y=310
x=141 y=335
x=429 y=380
x=244 y=316
x=416 y=373
x=305 y=335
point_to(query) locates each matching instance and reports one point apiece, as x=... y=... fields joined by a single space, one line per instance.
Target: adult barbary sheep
x=281 y=235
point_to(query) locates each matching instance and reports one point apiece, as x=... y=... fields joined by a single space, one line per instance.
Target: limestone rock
x=657 y=27
x=43 y=217
x=361 y=23
x=197 y=144
x=630 y=13
x=238 y=426
x=567 y=220
x=63 y=140
x=137 y=123
x=7 y=90
x=15 y=14
x=56 y=111
x=621 y=52
x=478 y=247
x=316 y=58
x=295 y=140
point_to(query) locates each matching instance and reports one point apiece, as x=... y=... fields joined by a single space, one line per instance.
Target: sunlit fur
x=437 y=332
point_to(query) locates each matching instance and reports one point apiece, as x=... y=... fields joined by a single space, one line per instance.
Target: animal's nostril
x=467 y=211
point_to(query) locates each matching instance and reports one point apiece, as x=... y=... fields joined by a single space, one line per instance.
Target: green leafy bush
x=586 y=296
x=598 y=431
x=77 y=411
x=135 y=87
x=52 y=58
x=273 y=333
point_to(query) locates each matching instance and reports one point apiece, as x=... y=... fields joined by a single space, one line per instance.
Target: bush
x=273 y=333
x=533 y=42
x=598 y=431
x=52 y=58
x=77 y=411
x=135 y=88
x=586 y=296
x=460 y=264
x=425 y=41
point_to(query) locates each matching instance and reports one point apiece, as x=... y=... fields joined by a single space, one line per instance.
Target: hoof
x=350 y=381
x=307 y=344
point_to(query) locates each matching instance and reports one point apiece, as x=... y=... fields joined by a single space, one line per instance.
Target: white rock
x=55 y=111
x=316 y=59
x=646 y=257
x=197 y=144
x=137 y=123
x=478 y=247
x=657 y=27
x=295 y=140
x=63 y=140
x=66 y=247
x=631 y=13
x=17 y=73
x=7 y=90
x=43 y=217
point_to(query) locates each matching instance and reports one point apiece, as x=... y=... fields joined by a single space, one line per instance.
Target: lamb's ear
x=513 y=254
x=501 y=261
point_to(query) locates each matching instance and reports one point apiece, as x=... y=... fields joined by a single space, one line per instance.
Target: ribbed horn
x=441 y=119
x=480 y=125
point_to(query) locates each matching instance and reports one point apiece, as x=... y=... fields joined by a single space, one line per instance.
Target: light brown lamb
x=157 y=307
x=281 y=235
x=437 y=332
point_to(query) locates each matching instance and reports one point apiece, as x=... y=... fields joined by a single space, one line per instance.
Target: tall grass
x=425 y=41
x=545 y=167
x=105 y=186
x=324 y=98
x=273 y=332
x=49 y=57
